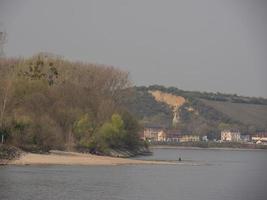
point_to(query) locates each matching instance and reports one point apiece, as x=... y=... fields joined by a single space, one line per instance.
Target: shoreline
x=203 y=148
x=84 y=159
x=73 y=158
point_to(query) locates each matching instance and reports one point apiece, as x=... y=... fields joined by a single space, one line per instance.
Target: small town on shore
x=161 y=135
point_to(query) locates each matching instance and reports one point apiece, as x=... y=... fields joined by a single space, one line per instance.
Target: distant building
x=259 y=138
x=159 y=134
x=141 y=135
x=205 y=138
x=162 y=136
x=153 y=133
x=230 y=136
x=245 y=138
x=173 y=135
x=189 y=138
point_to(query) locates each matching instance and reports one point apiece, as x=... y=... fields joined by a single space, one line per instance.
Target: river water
x=204 y=174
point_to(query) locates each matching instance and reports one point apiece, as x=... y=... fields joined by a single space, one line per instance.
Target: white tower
x=176 y=117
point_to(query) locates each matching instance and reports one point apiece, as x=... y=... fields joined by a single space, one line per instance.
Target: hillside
x=252 y=114
x=198 y=113
x=147 y=110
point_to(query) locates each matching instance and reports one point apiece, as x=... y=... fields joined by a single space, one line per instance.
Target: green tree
x=84 y=129
x=113 y=132
x=131 y=127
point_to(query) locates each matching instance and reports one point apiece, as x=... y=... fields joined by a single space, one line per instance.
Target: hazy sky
x=206 y=45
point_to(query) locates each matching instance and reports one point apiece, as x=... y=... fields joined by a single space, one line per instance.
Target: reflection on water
x=203 y=175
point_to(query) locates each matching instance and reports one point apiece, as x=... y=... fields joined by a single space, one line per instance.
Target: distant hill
x=197 y=112
x=252 y=114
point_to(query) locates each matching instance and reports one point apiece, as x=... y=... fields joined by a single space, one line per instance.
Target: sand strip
x=72 y=158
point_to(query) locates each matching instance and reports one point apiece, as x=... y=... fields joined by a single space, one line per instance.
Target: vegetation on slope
x=234 y=98
x=148 y=111
x=251 y=114
x=202 y=113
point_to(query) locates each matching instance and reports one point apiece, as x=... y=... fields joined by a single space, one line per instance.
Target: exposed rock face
x=170 y=99
x=175 y=102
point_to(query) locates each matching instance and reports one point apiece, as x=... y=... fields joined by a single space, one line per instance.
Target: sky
x=207 y=45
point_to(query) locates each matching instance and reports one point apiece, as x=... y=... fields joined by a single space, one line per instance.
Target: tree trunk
x=4 y=106
x=70 y=141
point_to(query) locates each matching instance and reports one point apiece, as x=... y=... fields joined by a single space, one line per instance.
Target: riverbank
x=201 y=148
x=73 y=158
x=211 y=145
x=8 y=153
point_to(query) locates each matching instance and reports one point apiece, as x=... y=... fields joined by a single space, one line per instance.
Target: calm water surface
x=206 y=175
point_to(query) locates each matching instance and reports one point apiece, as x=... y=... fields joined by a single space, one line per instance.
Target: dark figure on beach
x=180 y=159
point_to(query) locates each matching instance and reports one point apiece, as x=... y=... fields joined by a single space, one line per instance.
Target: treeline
x=218 y=96
x=47 y=102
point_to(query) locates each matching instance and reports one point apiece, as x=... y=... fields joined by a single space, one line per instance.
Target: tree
x=66 y=104
x=132 y=127
x=84 y=129
x=7 y=78
x=113 y=132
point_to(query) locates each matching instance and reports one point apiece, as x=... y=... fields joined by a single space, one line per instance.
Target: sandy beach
x=73 y=158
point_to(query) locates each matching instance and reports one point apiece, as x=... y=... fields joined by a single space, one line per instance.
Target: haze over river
x=204 y=174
